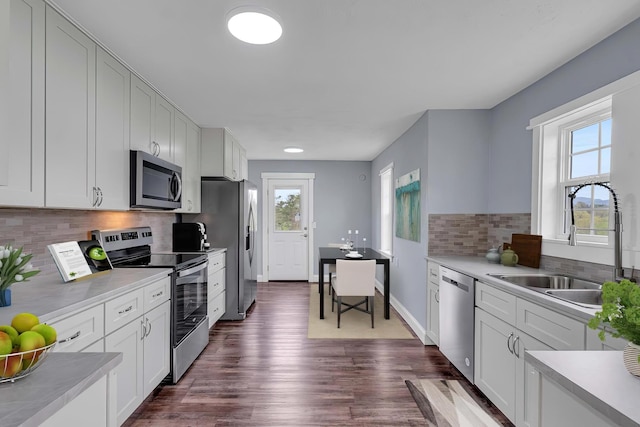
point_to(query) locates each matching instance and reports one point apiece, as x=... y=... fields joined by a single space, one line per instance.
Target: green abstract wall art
x=408 y=206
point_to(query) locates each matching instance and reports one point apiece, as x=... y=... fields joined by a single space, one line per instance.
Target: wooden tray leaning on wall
x=528 y=247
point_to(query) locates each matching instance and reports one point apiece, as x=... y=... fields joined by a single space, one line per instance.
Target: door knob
x=304 y=235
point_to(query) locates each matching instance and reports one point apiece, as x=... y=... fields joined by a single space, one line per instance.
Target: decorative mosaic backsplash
x=34 y=229
x=473 y=234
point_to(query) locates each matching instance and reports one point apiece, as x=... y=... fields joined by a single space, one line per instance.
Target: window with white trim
x=586 y=147
x=386 y=209
x=574 y=150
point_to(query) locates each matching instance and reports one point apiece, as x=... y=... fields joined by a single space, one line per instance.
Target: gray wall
x=342 y=199
x=451 y=148
x=510 y=173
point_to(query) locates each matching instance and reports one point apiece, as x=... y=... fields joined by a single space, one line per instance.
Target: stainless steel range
x=130 y=247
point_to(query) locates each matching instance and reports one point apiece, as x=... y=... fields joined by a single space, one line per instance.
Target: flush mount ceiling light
x=293 y=150
x=255 y=25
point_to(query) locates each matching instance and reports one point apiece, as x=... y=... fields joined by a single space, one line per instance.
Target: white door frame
x=266 y=177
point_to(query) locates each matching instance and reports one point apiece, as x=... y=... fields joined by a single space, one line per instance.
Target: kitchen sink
x=547 y=281
x=584 y=297
x=567 y=288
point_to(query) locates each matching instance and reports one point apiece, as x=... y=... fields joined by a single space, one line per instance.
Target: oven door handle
x=192 y=270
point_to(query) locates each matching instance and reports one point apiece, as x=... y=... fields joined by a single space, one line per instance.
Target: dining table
x=329 y=255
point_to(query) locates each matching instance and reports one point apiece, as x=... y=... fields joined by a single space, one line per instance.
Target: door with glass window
x=288 y=229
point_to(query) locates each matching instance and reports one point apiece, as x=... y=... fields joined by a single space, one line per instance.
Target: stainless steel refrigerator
x=229 y=212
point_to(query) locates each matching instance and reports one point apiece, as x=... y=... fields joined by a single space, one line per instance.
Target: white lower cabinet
x=143 y=338
x=81 y=330
x=593 y=341
x=500 y=370
x=433 y=302
x=90 y=408
x=216 y=288
x=128 y=341
x=505 y=327
x=157 y=346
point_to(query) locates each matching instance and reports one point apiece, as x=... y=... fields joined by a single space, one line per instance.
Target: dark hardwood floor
x=264 y=371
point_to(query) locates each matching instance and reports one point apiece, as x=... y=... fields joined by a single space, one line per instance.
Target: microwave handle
x=176 y=182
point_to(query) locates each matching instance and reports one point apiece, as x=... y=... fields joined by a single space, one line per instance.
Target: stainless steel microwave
x=154 y=183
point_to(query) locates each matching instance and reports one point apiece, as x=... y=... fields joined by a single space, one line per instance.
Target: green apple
x=48 y=333
x=31 y=340
x=97 y=253
x=11 y=331
x=6 y=345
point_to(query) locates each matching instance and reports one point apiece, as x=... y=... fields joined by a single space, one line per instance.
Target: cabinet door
x=128 y=341
x=70 y=110
x=610 y=343
x=243 y=164
x=192 y=180
x=113 y=83
x=229 y=146
x=527 y=387
x=22 y=101
x=163 y=128
x=433 y=312
x=180 y=126
x=157 y=345
x=143 y=104
x=495 y=364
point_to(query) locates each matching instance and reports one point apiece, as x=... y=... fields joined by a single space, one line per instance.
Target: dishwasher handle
x=462 y=286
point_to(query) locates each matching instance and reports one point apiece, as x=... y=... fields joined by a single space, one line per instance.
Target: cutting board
x=528 y=248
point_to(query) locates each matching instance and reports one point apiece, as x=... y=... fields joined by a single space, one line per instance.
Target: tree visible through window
x=287 y=209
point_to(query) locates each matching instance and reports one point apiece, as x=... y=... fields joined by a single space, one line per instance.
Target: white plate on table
x=353 y=255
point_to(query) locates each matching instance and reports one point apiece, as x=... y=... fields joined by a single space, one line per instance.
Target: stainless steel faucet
x=617 y=228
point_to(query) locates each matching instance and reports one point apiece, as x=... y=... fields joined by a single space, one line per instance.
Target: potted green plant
x=621 y=310
x=14 y=267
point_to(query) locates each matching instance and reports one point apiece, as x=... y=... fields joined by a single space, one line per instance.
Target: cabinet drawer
x=554 y=329
x=216 y=283
x=433 y=273
x=122 y=310
x=157 y=293
x=216 y=262
x=499 y=303
x=81 y=330
x=217 y=307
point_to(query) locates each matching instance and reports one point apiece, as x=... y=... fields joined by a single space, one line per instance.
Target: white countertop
x=598 y=378
x=31 y=400
x=480 y=268
x=49 y=298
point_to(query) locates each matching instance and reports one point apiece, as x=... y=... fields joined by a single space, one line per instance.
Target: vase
x=493 y=256
x=5 y=298
x=630 y=356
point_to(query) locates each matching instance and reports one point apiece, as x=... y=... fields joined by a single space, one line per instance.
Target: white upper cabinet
x=112 y=133
x=22 y=55
x=222 y=155
x=70 y=111
x=187 y=150
x=151 y=121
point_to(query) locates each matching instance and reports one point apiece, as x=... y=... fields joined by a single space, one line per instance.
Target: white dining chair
x=332 y=267
x=354 y=278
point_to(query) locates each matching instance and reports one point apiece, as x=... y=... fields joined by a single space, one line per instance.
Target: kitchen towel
x=449 y=403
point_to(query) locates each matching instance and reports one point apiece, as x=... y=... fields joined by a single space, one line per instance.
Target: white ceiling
x=348 y=77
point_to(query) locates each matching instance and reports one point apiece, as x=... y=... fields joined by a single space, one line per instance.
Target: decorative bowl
x=14 y=366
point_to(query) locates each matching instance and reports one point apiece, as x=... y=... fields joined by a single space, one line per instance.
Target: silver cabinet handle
x=95 y=197
x=100 y=196
x=148 y=330
x=144 y=330
x=508 y=340
x=126 y=310
x=437 y=297
x=71 y=338
x=155 y=148
x=517 y=353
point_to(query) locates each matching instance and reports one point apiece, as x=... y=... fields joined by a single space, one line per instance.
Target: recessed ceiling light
x=254 y=25
x=293 y=150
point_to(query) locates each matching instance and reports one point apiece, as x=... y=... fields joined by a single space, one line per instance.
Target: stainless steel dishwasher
x=457 y=295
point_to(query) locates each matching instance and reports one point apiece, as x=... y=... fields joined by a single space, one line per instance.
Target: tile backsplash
x=34 y=229
x=473 y=234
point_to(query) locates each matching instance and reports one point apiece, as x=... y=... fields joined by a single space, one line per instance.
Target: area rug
x=447 y=403
x=353 y=324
